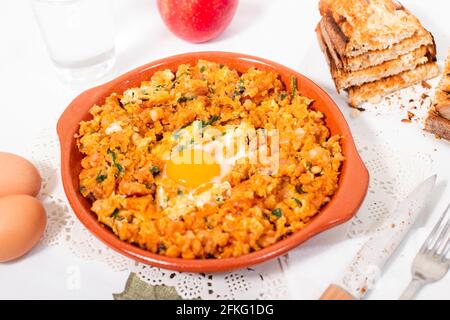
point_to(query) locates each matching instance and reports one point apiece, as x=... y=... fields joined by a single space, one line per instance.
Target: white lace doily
x=393 y=175
x=394 y=172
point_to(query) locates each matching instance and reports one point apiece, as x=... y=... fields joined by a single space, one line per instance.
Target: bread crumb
x=426 y=85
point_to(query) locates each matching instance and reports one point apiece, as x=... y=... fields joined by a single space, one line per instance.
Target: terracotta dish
x=353 y=182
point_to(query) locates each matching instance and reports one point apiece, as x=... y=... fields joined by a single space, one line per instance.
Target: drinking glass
x=79 y=35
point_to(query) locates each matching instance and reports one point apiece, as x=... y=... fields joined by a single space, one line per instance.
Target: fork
x=431 y=262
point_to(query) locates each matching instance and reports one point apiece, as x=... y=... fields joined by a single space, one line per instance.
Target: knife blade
x=362 y=273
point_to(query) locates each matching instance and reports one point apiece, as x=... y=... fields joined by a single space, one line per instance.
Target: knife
x=363 y=271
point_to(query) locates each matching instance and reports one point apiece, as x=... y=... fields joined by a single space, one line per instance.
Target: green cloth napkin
x=136 y=289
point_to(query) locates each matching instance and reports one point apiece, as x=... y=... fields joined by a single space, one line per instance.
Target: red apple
x=197 y=20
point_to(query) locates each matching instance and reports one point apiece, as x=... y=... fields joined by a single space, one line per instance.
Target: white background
x=282 y=31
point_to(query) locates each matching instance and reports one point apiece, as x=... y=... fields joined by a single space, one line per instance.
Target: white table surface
x=281 y=31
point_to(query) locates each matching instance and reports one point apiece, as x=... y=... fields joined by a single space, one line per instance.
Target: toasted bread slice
x=403 y=63
x=358 y=26
x=374 y=91
x=442 y=95
x=437 y=125
x=406 y=62
x=377 y=57
x=326 y=52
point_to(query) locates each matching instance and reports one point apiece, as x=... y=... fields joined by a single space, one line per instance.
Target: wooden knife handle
x=334 y=292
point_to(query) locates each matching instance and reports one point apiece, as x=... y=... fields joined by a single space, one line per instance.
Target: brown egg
x=22 y=223
x=18 y=176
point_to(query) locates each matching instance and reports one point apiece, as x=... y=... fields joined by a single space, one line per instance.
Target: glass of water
x=79 y=35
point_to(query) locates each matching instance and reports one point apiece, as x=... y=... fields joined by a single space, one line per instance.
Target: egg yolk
x=192 y=168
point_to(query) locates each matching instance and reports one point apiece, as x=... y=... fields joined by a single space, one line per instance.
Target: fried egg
x=197 y=162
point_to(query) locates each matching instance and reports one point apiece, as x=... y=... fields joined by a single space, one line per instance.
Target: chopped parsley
x=154 y=170
x=161 y=247
x=182 y=74
x=283 y=95
x=112 y=154
x=308 y=165
x=211 y=121
x=202 y=69
x=241 y=86
x=277 y=212
x=297 y=201
x=185 y=99
x=82 y=189
x=294 y=86
x=101 y=177
x=115 y=213
x=115 y=163
x=119 y=167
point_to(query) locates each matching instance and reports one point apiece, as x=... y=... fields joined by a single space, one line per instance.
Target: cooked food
x=207 y=162
x=438 y=121
x=358 y=26
x=375 y=91
x=438 y=125
x=376 y=57
x=442 y=97
x=371 y=44
x=403 y=63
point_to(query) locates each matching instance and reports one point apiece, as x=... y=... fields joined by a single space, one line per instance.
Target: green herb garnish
x=283 y=95
x=211 y=121
x=115 y=213
x=101 y=177
x=185 y=99
x=202 y=69
x=241 y=86
x=277 y=212
x=161 y=247
x=299 y=202
x=308 y=165
x=119 y=167
x=294 y=86
x=82 y=189
x=112 y=154
x=115 y=163
x=154 y=170
x=182 y=74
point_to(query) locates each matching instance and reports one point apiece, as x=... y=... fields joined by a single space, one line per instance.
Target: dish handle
x=69 y=120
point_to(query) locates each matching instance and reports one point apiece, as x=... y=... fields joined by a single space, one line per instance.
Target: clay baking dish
x=344 y=204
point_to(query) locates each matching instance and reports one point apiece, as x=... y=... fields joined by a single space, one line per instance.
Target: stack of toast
x=374 y=47
x=438 y=120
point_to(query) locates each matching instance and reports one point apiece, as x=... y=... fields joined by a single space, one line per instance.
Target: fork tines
x=438 y=242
